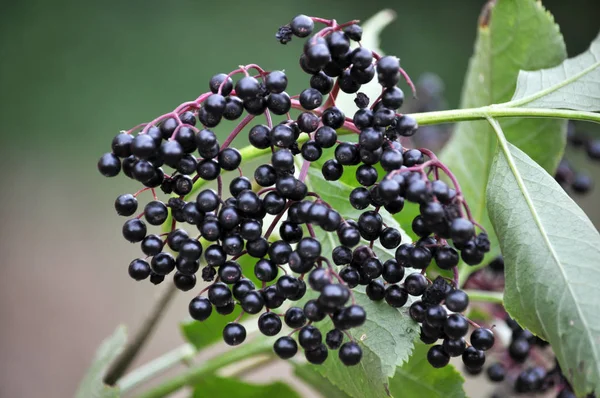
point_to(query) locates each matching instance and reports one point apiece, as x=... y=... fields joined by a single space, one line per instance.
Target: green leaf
x=574 y=84
x=552 y=259
x=513 y=35
x=215 y=386
x=416 y=378
x=388 y=335
x=92 y=386
x=307 y=374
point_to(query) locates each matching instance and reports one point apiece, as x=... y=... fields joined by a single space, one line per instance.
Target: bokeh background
x=75 y=72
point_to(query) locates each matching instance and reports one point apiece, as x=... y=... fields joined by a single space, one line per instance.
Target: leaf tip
x=486 y=13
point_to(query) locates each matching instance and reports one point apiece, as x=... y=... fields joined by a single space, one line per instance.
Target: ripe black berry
x=242 y=287
x=283 y=160
x=265 y=270
x=163 y=263
x=109 y=165
x=310 y=98
x=333 y=296
x=143 y=146
x=392 y=272
x=139 y=269
x=252 y=302
x=346 y=154
x=311 y=151
x=437 y=357
x=496 y=372
x=326 y=137
x=309 y=337
x=473 y=358
x=285 y=347
x=390 y=238
x=436 y=315
x=219 y=294
x=302 y=25
x=234 y=334
x=318 y=355
x=454 y=347
x=519 y=349
x=333 y=117
x=417 y=311
x=257 y=248
x=276 y=81
x=269 y=324
x=200 y=308
x=156 y=213
x=184 y=282
x=294 y=317
x=229 y=159
x=388 y=73
x=456 y=326
x=375 y=290
x=350 y=353
x=247 y=88
x=288 y=286
x=126 y=205
x=226 y=309
x=396 y=296
x=415 y=284
x=461 y=231
x=457 y=301
x=234 y=107
x=279 y=252
x=152 y=245
x=392 y=98
x=446 y=257
x=134 y=230
x=230 y=272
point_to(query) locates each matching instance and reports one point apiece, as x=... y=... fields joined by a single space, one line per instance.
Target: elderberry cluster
x=522 y=362
x=437 y=323
x=236 y=222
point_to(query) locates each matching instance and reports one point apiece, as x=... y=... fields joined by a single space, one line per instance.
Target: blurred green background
x=73 y=73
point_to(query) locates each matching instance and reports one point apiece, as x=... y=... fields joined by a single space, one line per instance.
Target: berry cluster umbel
x=239 y=220
x=521 y=362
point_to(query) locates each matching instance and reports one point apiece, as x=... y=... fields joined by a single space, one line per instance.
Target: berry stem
x=237 y=130
x=409 y=82
x=276 y=220
x=455 y=275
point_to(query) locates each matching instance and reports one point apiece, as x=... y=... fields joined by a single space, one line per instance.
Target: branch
x=157 y=366
x=124 y=360
x=500 y=111
x=485 y=296
x=194 y=375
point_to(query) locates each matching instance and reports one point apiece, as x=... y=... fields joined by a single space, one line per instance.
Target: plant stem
x=157 y=366
x=194 y=375
x=483 y=295
x=124 y=360
x=498 y=111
